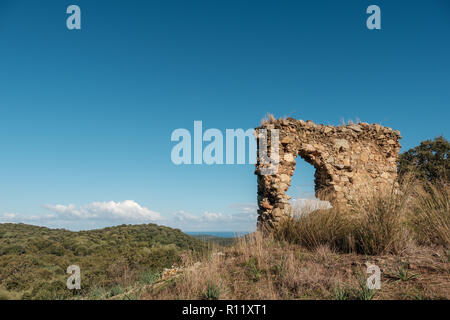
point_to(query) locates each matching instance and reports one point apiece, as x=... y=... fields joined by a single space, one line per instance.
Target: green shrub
x=254 y=273
x=150 y=277
x=363 y=292
x=114 y=291
x=212 y=292
x=430 y=161
x=55 y=290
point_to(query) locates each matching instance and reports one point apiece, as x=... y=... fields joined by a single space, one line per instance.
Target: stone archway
x=349 y=159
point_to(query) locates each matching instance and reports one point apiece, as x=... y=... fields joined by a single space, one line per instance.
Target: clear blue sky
x=86 y=115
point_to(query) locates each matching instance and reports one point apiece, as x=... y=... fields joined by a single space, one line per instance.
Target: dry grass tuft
x=430 y=216
x=386 y=222
x=321 y=227
x=379 y=222
x=269 y=118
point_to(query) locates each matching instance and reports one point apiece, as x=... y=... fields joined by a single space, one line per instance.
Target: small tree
x=429 y=161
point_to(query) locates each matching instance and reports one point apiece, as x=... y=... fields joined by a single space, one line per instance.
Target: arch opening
x=305 y=196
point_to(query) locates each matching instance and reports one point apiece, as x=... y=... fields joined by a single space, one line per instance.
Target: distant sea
x=221 y=234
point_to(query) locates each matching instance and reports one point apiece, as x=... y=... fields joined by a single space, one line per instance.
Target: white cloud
x=127 y=210
x=250 y=207
x=242 y=217
x=211 y=217
x=202 y=218
x=25 y=218
x=9 y=216
x=89 y=216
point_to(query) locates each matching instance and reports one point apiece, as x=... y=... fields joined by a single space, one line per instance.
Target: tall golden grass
x=385 y=222
x=430 y=215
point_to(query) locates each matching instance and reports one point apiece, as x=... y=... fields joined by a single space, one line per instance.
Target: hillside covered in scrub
x=33 y=260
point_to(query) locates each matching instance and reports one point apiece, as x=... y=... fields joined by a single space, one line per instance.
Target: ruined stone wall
x=349 y=160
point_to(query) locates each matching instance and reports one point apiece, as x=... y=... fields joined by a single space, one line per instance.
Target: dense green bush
x=33 y=260
x=428 y=161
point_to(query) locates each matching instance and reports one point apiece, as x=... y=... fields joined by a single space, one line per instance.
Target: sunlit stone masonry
x=349 y=160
